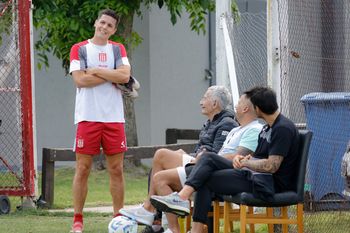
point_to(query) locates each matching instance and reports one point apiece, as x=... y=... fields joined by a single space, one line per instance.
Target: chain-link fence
x=315 y=51
x=16 y=154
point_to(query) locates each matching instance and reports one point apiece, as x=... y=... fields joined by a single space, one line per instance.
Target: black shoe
x=149 y=229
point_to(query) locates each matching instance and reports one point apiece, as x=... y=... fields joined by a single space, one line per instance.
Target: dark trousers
x=214 y=174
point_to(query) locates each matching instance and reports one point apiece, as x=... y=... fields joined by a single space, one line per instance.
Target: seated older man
x=215 y=104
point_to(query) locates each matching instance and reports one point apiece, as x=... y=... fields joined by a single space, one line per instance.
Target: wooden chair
x=216 y=214
x=281 y=200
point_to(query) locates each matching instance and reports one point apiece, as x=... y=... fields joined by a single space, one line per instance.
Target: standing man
x=96 y=66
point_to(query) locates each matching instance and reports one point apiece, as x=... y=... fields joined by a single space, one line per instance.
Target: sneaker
x=168 y=231
x=171 y=203
x=77 y=227
x=149 y=229
x=139 y=214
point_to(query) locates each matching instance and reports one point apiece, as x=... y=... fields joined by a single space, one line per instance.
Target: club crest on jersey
x=102 y=57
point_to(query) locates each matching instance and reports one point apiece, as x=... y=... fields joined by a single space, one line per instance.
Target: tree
x=62 y=23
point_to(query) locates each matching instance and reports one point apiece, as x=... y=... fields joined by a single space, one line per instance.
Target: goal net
x=16 y=129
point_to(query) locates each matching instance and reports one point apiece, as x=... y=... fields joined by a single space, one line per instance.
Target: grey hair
x=222 y=95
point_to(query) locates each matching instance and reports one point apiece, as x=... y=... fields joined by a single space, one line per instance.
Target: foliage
x=5 y=17
x=235 y=11
x=63 y=23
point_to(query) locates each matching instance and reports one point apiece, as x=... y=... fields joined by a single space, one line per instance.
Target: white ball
x=122 y=224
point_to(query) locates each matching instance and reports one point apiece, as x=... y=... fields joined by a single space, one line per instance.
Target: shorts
x=181 y=170
x=91 y=136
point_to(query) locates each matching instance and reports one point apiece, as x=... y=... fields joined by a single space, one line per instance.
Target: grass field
x=43 y=221
x=99 y=195
x=37 y=221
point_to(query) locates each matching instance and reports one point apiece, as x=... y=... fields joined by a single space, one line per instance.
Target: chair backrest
x=305 y=137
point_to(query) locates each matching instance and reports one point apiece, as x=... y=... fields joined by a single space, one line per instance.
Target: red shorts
x=91 y=136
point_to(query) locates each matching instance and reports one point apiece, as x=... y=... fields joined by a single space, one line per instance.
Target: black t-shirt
x=281 y=139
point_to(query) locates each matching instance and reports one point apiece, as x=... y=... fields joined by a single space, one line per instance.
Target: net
x=314 y=60
x=16 y=158
x=248 y=38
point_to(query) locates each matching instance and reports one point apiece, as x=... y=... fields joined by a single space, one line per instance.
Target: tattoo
x=270 y=165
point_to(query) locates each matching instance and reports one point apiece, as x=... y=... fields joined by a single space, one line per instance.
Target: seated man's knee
x=208 y=155
x=160 y=153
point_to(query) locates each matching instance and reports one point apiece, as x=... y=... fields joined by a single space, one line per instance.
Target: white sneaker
x=168 y=231
x=139 y=214
x=171 y=203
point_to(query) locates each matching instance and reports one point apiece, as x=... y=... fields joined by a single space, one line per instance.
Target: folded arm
x=82 y=79
x=269 y=165
x=119 y=75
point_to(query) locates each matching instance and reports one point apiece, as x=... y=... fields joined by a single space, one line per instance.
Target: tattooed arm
x=270 y=165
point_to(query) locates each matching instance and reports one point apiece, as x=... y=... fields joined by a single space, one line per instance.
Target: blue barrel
x=328 y=117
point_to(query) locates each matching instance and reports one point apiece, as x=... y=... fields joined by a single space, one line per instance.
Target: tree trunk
x=124 y=30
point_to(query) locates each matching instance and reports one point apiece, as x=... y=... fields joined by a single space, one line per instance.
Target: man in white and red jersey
x=96 y=66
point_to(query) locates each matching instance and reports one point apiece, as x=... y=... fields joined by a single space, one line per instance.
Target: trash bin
x=328 y=117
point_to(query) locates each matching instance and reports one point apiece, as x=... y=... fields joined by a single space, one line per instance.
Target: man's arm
x=223 y=129
x=269 y=165
x=119 y=75
x=82 y=79
x=240 y=150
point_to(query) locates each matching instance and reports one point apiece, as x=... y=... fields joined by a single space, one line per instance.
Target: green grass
x=37 y=221
x=42 y=221
x=98 y=194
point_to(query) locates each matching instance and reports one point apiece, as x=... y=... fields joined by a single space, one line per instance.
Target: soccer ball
x=122 y=224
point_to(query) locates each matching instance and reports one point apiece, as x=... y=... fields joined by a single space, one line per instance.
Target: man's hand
x=198 y=155
x=239 y=160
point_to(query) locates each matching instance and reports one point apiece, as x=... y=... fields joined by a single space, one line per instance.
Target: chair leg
x=188 y=218
x=227 y=207
x=300 y=218
x=284 y=214
x=251 y=226
x=216 y=217
x=243 y=217
x=269 y=213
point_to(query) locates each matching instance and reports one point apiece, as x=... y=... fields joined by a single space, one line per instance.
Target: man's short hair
x=264 y=98
x=222 y=95
x=110 y=13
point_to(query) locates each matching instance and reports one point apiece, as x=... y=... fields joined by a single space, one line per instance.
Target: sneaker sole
x=132 y=217
x=165 y=207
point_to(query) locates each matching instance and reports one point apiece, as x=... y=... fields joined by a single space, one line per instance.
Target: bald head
x=245 y=112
